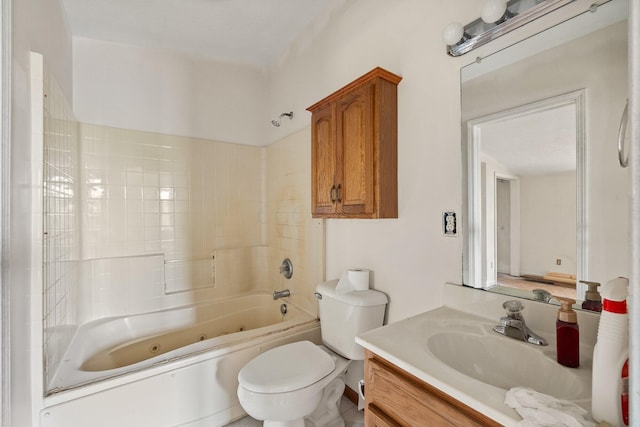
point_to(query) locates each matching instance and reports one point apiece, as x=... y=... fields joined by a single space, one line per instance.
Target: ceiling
x=537 y=143
x=251 y=32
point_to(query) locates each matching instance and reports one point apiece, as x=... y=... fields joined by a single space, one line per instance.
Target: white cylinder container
x=610 y=354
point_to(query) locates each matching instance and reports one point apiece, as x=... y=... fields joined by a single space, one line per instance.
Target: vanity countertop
x=407 y=343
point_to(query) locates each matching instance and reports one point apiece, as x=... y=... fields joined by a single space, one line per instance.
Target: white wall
x=548 y=223
x=410 y=257
x=150 y=90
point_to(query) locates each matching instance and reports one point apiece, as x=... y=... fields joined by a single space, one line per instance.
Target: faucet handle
x=514 y=323
x=286 y=268
x=542 y=295
x=513 y=307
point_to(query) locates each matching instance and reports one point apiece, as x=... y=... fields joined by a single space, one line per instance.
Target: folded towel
x=542 y=410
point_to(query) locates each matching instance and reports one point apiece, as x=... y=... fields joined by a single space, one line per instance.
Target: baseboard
x=351 y=395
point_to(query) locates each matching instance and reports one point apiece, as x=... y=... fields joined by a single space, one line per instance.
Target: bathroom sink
x=505 y=363
x=455 y=349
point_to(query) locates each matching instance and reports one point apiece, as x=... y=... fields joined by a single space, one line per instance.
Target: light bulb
x=493 y=10
x=452 y=33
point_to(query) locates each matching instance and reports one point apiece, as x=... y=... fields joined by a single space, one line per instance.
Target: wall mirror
x=545 y=199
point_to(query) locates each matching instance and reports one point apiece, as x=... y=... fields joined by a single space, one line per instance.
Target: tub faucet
x=281 y=294
x=512 y=325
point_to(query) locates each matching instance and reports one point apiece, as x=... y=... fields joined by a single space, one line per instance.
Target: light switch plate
x=449 y=223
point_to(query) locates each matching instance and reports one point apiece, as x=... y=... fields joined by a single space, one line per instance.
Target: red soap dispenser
x=567 y=334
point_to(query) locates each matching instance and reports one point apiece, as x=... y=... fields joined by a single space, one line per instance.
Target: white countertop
x=405 y=344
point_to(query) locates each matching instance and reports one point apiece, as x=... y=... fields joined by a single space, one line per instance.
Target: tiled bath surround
x=147 y=221
x=184 y=197
x=197 y=203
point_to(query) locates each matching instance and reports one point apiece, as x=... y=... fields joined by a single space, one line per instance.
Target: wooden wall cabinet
x=354 y=159
x=397 y=398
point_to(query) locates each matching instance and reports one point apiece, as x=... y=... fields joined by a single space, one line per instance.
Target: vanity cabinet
x=397 y=398
x=354 y=149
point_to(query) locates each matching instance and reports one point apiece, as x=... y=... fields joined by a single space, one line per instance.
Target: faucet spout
x=513 y=325
x=281 y=294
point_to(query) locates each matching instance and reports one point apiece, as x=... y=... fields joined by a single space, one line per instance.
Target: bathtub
x=174 y=367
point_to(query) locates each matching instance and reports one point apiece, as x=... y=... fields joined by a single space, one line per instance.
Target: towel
x=542 y=410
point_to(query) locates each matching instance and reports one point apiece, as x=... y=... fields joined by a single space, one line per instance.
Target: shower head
x=276 y=122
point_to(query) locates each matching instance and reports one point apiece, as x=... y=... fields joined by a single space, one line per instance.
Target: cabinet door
x=396 y=397
x=323 y=161
x=355 y=152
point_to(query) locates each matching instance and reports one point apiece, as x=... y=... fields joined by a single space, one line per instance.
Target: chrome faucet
x=281 y=294
x=512 y=325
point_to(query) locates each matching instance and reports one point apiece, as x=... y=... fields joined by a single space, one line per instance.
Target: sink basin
x=506 y=363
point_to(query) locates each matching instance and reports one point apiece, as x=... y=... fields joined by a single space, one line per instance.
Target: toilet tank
x=345 y=316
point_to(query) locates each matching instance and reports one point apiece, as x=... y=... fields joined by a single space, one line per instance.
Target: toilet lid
x=286 y=368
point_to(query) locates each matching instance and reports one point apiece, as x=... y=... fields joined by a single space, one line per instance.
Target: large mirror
x=546 y=201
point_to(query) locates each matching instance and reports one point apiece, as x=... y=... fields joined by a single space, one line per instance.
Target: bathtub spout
x=281 y=294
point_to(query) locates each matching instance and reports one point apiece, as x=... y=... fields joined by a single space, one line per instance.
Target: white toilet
x=287 y=384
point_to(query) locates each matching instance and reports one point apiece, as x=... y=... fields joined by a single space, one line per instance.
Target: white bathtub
x=174 y=367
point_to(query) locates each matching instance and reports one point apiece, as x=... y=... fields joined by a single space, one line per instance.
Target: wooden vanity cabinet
x=397 y=398
x=354 y=149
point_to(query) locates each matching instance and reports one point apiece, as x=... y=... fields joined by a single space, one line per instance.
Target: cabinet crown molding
x=377 y=72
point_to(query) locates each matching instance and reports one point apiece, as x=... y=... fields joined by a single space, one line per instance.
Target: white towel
x=542 y=410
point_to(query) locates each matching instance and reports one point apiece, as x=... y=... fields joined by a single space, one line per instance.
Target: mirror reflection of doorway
x=529 y=165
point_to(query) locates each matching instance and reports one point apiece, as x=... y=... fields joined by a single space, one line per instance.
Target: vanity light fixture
x=498 y=17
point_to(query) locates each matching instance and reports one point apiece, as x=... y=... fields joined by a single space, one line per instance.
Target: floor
x=516 y=282
x=349 y=411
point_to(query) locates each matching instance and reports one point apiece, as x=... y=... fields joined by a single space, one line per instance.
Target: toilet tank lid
x=366 y=298
x=286 y=368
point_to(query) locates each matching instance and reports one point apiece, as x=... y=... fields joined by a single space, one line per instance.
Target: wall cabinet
x=397 y=398
x=354 y=149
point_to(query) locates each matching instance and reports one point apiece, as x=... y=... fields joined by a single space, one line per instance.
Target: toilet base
x=327 y=414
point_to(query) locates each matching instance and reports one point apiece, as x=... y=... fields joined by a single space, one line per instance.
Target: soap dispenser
x=592 y=300
x=567 y=334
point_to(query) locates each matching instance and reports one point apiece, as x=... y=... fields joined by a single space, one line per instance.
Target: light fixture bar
x=478 y=33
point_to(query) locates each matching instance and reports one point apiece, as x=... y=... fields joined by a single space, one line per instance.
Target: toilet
x=288 y=384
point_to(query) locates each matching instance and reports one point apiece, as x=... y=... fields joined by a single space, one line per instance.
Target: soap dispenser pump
x=592 y=300
x=567 y=334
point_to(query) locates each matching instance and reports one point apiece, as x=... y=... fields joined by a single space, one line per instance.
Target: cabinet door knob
x=338 y=193
x=331 y=193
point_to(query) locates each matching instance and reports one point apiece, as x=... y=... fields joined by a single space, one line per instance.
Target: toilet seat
x=286 y=368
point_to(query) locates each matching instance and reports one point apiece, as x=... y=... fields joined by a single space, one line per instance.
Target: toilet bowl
x=302 y=381
x=288 y=383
